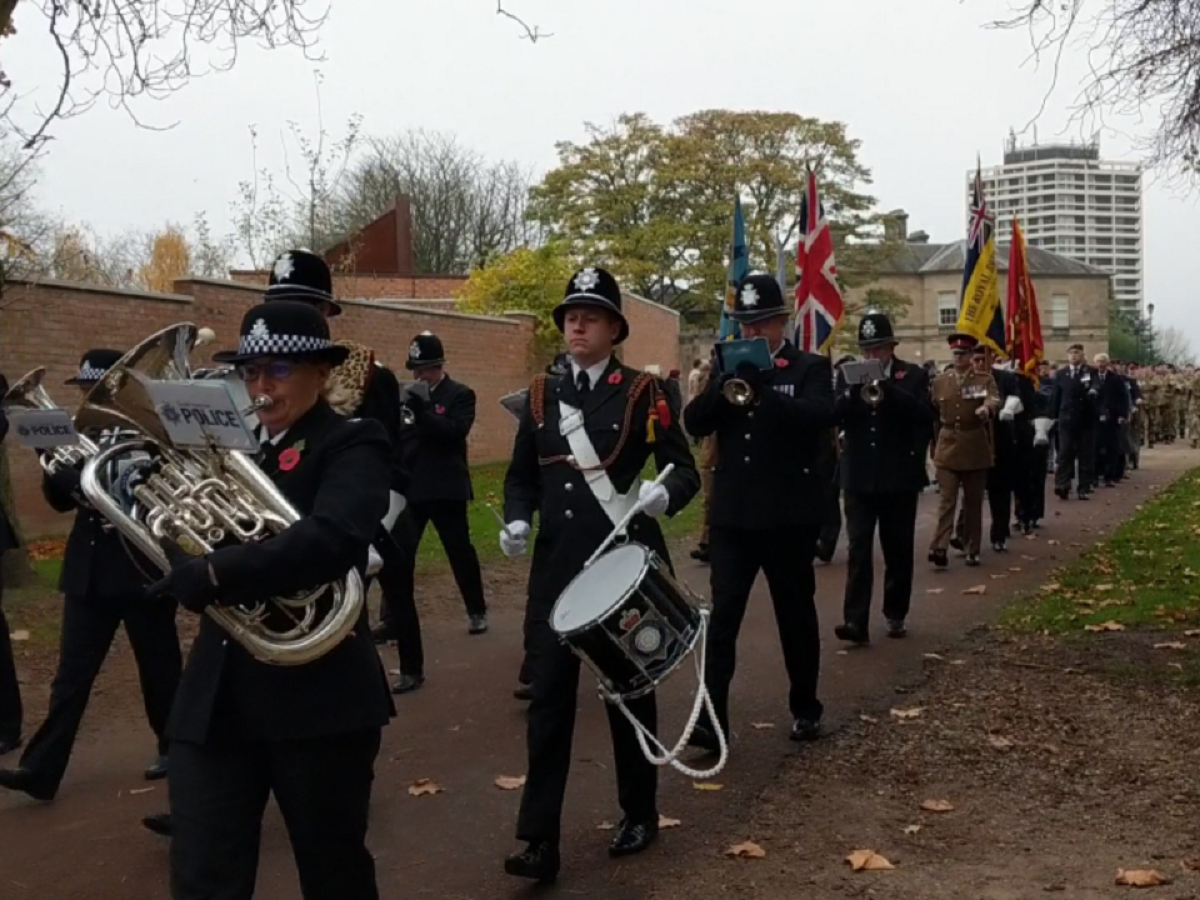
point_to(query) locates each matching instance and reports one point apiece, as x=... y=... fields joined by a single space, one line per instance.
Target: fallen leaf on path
x=911 y=829
x=1192 y=632
x=1101 y=588
x=977 y=589
x=1051 y=587
x=937 y=806
x=935 y=590
x=137 y=791
x=1053 y=543
x=19 y=635
x=1000 y=742
x=998 y=576
x=1171 y=645
x=1105 y=626
x=958 y=662
x=707 y=786
x=759 y=726
x=605 y=826
x=747 y=850
x=1178 y=666
x=1028 y=558
x=867 y=861
x=668 y=822
x=907 y=713
x=934 y=656
x=1141 y=878
x=510 y=783
x=1014 y=568
x=1192 y=865
x=867 y=718
x=424 y=786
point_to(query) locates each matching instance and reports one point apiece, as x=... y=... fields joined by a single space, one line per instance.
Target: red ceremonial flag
x=818 y=298
x=1023 y=325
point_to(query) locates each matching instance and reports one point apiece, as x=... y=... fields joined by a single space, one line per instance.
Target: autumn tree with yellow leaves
x=170 y=259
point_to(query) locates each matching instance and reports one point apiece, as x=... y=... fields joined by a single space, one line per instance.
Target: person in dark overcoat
x=243 y=730
x=103 y=582
x=580 y=449
x=1075 y=414
x=768 y=503
x=11 y=712
x=882 y=471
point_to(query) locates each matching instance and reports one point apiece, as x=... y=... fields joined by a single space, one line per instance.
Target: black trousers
x=1108 y=450
x=398 y=606
x=323 y=789
x=896 y=515
x=449 y=518
x=831 y=530
x=89 y=625
x=1076 y=448
x=555 y=680
x=785 y=557
x=11 y=713
x=1031 y=485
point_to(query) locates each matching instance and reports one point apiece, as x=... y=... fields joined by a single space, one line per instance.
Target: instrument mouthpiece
x=205 y=336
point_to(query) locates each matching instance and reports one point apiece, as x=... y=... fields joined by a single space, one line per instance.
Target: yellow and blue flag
x=979 y=312
x=739 y=265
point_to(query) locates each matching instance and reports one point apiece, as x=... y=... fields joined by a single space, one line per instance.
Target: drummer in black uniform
x=768 y=503
x=579 y=453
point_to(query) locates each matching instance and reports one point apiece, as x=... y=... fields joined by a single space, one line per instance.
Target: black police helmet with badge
x=425 y=350
x=94 y=364
x=758 y=297
x=284 y=329
x=875 y=330
x=302 y=276
x=597 y=288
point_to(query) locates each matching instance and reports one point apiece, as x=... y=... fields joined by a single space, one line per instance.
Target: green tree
x=654 y=203
x=529 y=280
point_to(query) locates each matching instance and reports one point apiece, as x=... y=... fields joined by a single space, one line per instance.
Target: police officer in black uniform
x=104 y=583
x=242 y=729
x=882 y=475
x=767 y=507
x=304 y=277
x=625 y=418
x=441 y=477
x=11 y=712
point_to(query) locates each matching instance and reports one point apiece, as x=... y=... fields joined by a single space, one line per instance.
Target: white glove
x=1041 y=431
x=374 y=562
x=514 y=538
x=653 y=499
x=1012 y=406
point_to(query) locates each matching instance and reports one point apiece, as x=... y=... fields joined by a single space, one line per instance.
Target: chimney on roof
x=895 y=225
x=918 y=237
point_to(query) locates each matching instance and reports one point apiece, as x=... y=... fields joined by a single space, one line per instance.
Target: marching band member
x=581 y=446
x=441 y=477
x=767 y=504
x=965 y=399
x=882 y=475
x=241 y=729
x=11 y=712
x=104 y=583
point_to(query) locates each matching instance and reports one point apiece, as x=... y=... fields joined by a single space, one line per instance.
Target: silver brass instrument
x=738 y=392
x=203 y=499
x=30 y=393
x=871 y=393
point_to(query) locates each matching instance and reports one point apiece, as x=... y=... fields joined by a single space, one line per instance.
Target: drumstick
x=624 y=523
x=499 y=518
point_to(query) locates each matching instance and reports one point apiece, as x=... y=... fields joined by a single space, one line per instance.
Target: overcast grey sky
x=922 y=84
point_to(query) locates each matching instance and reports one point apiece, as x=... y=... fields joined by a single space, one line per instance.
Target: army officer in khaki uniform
x=966 y=400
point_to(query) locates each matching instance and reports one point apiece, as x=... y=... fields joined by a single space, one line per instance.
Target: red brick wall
x=51 y=324
x=376 y=287
x=653 y=335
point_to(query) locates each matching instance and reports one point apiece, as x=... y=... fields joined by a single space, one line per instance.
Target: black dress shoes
x=477 y=625
x=704 y=738
x=633 y=837
x=381 y=634
x=539 y=861
x=806 y=729
x=700 y=554
x=956 y=544
x=157 y=770
x=852 y=633
x=825 y=551
x=26 y=782
x=972 y=559
x=939 y=558
x=523 y=691
x=159 y=823
x=9 y=744
x=407 y=684
x=896 y=628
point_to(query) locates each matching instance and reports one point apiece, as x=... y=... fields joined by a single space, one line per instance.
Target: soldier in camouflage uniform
x=1180 y=398
x=1165 y=431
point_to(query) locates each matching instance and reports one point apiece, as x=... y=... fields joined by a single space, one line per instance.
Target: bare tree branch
x=533 y=35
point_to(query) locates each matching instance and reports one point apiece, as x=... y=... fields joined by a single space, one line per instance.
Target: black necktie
x=583 y=384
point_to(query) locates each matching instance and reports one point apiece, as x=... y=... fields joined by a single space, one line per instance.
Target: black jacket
x=8 y=536
x=1112 y=397
x=572 y=523
x=439 y=466
x=1075 y=398
x=381 y=402
x=98 y=562
x=768 y=471
x=1013 y=437
x=339 y=487
x=885 y=446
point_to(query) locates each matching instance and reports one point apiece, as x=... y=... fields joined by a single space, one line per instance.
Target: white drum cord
x=655 y=751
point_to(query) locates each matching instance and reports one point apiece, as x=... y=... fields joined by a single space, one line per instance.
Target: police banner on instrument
x=201 y=414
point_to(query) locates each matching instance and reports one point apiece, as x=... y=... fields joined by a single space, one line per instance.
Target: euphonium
x=872 y=393
x=203 y=499
x=29 y=393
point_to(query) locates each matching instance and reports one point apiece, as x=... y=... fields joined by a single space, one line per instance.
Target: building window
x=1060 y=312
x=947 y=309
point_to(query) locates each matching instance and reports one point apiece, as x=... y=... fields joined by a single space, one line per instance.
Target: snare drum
x=628 y=619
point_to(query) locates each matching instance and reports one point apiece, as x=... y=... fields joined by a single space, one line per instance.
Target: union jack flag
x=819 y=304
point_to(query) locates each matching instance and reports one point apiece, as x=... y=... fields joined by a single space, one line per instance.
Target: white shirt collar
x=263 y=438
x=594 y=372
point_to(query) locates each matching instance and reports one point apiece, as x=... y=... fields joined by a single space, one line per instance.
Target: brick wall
x=51 y=324
x=375 y=287
x=653 y=335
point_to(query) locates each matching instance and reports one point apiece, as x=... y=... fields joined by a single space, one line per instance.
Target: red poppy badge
x=781 y=363
x=440 y=410
x=615 y=378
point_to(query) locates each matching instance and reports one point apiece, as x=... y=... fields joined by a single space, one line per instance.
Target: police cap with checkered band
x=875 y=330
x=284 y=329
x=425 y=350
x=93 y=365
x=302 y=276
x=597 y=288
x=758 y=297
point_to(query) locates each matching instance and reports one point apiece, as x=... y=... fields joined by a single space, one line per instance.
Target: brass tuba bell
x=30 y=393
